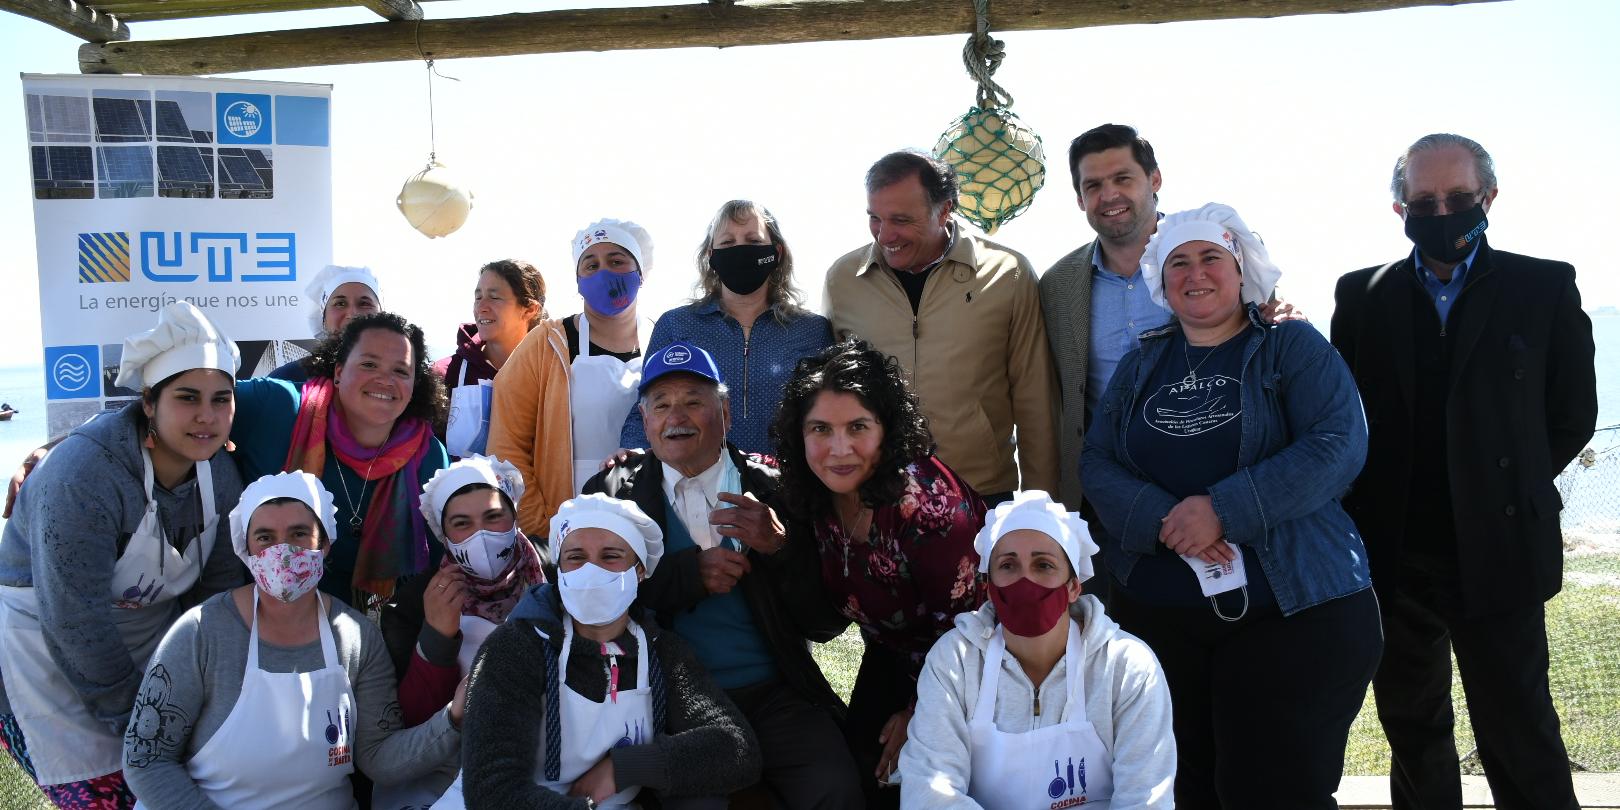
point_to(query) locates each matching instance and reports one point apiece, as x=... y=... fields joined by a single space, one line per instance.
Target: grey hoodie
x=63 y=539
x=1127 y=701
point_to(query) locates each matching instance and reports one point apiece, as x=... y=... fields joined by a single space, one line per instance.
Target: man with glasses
x=1476 y=371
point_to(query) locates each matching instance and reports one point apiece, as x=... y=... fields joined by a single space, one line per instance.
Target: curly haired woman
x=894 y=525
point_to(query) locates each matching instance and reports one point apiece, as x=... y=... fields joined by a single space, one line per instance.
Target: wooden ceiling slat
x=147 y=10
x=77 y=19
x=710 y=25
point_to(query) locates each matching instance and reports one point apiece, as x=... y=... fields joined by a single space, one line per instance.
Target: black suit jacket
x=1521 y=403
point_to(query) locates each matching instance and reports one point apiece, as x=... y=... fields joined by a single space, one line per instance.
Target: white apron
x=64 y=741
x=601 y=392
x=1063 y=765
x=467 y=431
x=289 y=740
x=589 y=729
x=440 y=788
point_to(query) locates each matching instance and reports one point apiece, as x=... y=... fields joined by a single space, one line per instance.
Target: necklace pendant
x=1190 y=379
x=355 y=522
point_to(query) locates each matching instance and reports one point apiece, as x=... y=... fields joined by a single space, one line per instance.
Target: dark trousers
x=1263 y=705
x=807 y=763
x=882 y=687
x=1503 y=662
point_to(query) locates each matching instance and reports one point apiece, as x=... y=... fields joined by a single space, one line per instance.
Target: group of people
x=1132 y=533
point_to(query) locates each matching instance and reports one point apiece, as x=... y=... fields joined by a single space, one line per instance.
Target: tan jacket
x=531 y=424
x=976 y=353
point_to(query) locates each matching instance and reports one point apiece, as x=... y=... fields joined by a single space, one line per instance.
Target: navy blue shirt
x=1185 y=433
x=755 y=368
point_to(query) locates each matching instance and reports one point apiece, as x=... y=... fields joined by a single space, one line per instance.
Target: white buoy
x=433 y=202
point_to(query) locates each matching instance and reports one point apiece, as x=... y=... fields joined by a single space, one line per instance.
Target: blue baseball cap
x=678 y=357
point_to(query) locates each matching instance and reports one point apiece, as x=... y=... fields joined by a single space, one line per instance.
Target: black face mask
x=1447 y=237
x=744 y=268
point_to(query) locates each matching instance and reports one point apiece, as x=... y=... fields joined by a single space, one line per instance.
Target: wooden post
x=695 y=25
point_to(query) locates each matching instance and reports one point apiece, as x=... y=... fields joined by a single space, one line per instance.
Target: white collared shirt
x=693 y=499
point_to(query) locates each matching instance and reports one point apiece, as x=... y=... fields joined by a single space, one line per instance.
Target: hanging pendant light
x=433 y=200
x=999 y=162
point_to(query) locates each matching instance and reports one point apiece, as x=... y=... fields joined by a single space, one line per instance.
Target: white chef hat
x=183 y=339
x=621 y=232
x=299 y=485
x=327 y=281
x=444 y=484
x=1221 y=225
x=1034 y=509
x=621 y=517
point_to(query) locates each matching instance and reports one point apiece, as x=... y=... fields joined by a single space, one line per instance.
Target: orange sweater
x=531 y=425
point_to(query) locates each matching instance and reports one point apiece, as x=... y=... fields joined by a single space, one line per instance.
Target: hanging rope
x=433 y=140
x=982 y=55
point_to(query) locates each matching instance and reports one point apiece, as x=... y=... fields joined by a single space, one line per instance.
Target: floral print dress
x=915 y=570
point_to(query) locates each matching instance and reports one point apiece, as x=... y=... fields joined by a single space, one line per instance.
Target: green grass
x=1585 y=677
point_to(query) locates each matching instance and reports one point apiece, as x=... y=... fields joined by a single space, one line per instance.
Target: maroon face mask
x=1027 y=608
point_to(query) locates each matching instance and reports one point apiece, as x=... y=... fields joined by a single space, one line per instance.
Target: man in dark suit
x=1476 y=370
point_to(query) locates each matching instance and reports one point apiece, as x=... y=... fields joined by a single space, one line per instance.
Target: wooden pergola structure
x=404 y=32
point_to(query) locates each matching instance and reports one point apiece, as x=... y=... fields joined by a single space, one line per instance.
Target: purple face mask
x=610 y=293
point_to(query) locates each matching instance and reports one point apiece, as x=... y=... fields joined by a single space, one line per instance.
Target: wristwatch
x=590 y=803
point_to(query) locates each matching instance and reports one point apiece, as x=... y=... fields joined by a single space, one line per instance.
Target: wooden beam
x=394 y=9
x=134 y=11
x=75 y=18
x=697 y=25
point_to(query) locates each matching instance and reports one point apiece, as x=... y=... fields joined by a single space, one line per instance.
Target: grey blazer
x=1066 y=305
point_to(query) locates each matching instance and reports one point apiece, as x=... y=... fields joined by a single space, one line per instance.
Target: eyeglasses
x=1430 y=206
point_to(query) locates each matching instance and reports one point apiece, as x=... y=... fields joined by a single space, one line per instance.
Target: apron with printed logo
x=65 y=742
x=467 y=431
x=601 y=392
x=1010 y=771
x=289 y=740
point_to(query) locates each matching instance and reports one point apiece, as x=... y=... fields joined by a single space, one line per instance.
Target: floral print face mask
x=286 y=572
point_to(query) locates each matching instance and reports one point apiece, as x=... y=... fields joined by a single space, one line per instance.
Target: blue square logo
x=303 y=121
x=243 y=118
x=72 y=372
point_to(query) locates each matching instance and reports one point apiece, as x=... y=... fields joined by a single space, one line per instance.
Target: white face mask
x=486 y=554
x=594 y=595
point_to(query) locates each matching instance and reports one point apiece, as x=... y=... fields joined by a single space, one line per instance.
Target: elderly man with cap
x=336 y=295
x=1038 y=675
x=1215 y=462
x=273 y=694
x=734 y=582
x=118 y=523
x=962 y=315
x=561 y=398
x=582 y=699
x=1477 y=370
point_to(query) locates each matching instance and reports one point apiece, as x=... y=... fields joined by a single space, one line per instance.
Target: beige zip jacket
x=976 y=353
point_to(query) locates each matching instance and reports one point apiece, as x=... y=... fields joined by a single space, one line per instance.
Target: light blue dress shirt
x=1444 y=293
x=1121 y=309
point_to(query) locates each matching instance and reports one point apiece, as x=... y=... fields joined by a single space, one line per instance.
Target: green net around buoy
x=999 y=162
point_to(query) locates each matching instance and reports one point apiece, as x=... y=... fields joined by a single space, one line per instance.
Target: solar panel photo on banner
x=125 y=171
x=185 y=171
x=54 y=119
x=184 y=117
x=62 y=172
x=122 y=120
x=171 y=123
x=246 y=174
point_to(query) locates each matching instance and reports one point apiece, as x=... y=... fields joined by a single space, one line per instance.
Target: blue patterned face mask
x=610 y=293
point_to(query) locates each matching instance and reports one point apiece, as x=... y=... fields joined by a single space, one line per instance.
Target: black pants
x=807 y=762
x=882 y=687
x=1503 y=662
x=1263 y=705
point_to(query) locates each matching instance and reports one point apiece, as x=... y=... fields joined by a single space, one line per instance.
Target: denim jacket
x=1303 y=442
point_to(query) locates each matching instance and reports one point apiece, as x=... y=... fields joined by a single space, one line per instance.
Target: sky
x=1296 y=122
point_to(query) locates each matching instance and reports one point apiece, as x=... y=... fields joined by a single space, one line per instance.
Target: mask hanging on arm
x=1449 y=237
x=610 y=293
x=744 y=268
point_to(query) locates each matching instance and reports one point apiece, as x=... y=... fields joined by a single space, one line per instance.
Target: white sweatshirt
x=1127 y=701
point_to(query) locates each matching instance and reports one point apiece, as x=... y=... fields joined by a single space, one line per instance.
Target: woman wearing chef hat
x=580 y=697
x=1038 y=698
x=336 y=296
x=562 y=397
x=118 y=523
x=272 y=694
x=470 y=506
